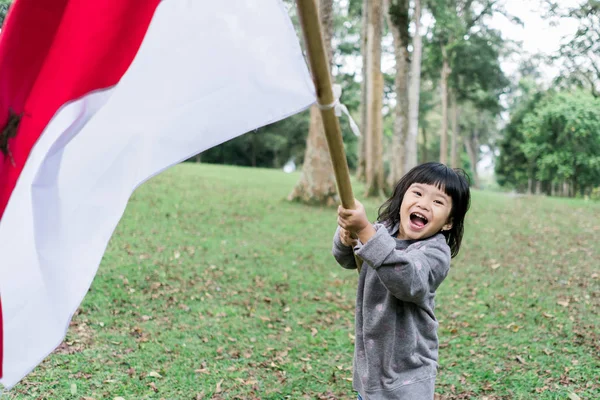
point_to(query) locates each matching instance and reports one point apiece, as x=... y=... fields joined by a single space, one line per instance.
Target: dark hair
x=454 y=182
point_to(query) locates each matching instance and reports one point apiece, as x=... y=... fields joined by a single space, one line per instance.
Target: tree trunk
x=362 y=143
x=375 y=139
x=444 y=94
x=398 y=21
x=455 y=134
x=472 y=147
x=317 y=182
x=568 y=189
x=253 y=151
x=374 y=134
x=198 y=158
x=530 y=185
x=414 y=92
x=424 y=155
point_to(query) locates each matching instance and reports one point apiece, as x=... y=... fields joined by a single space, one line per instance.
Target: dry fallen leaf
x=564 y=303
x=514 y=327
x=520 y=359
x=155 y=374
x=218 y=388
x=573 y=396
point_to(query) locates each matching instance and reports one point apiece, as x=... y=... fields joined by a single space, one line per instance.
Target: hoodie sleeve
x=412 y=274
x=343 y=254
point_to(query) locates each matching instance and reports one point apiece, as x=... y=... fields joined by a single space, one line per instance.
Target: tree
x=552 y=140
x=455 y=23
x=455 y=130
x=374 y=133
x=477 y=126
x=4 y=6
x=579 y=57
x=397 y=15
x=410 y=146
x=512 y=166
x=562 y=138
x=317 y=181
x=362 y=146
x=447 y=28
x=427 y=103
x=479 y=82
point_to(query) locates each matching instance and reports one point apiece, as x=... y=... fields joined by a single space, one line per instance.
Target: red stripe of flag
x=53 y=52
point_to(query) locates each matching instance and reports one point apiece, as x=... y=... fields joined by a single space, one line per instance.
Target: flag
x=97 y=97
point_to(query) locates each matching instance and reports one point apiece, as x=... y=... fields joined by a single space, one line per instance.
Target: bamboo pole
x=319 y=66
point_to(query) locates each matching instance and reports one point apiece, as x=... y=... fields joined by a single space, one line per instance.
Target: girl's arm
x=343 y=254
x=411 y=275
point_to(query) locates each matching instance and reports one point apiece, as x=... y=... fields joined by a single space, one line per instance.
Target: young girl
x=406 y=256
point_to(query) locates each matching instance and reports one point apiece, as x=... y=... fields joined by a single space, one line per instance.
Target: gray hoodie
x=396 y=348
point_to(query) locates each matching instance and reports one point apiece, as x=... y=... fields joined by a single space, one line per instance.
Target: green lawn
x=214 y=286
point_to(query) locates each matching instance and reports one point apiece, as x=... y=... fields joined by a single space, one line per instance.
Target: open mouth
x=418 y=220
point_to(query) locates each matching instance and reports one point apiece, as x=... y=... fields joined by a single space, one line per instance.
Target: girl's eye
x=439 y=202
x=417 y=193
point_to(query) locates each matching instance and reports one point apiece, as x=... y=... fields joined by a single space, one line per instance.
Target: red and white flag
x=95 y=98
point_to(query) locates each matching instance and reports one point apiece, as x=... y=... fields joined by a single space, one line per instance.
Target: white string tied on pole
x=340 y=108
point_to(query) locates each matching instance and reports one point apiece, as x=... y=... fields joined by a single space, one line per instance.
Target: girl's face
x=425 y=210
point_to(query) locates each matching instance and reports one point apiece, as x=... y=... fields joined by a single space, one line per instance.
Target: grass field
x=214 y=286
